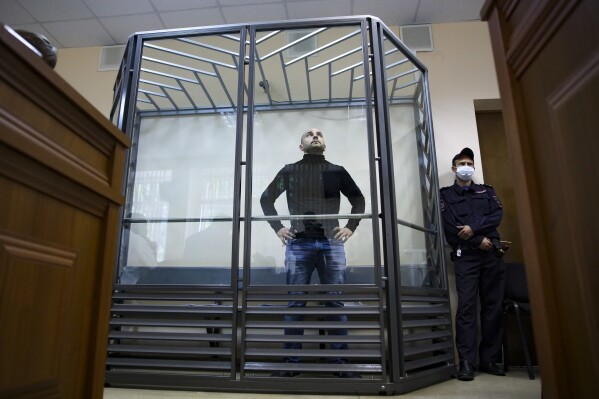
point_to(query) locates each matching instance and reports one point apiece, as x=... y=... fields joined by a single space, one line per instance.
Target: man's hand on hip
x=342 y=233
x=285 y=234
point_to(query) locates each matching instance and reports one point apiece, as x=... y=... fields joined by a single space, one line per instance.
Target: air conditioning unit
x=110 y=58
x=303 y=47
x=417 y=37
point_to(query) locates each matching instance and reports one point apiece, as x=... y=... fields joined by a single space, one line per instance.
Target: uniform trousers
x=479 y=275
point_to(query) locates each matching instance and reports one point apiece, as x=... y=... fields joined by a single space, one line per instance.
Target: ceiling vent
x=304 y=46
x=110 y=58
x=417 y=37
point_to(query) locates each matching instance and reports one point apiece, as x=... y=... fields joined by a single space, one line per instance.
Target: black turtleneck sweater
x=313 y=187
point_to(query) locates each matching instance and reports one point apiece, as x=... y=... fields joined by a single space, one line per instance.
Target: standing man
x=313 y=187
x=471 y=215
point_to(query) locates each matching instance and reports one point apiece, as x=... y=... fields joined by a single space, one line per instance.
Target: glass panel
x=403 y=78
x=419 y=259
x=181 y=176
x=292 y=180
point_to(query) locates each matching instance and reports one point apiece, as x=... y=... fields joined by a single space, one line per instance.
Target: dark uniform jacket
x=476 y=206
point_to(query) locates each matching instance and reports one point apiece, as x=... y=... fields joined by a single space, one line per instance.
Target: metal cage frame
x=409 y=343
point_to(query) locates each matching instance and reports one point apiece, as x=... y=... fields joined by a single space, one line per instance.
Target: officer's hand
x=465 y=232
x=486 y=244
x=285 y=234
x=342 y=233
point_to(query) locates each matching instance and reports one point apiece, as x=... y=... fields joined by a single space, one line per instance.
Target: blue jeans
x=302 y=257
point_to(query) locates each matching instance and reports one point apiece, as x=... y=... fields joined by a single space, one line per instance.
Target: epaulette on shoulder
x=488 y=186
x=444 y=188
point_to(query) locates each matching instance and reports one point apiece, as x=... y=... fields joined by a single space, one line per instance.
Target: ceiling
x=85 y=23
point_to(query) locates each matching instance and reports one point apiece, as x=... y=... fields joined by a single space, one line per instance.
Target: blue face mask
x=465 y=172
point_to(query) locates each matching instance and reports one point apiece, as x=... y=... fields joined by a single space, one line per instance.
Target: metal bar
x=369 y=58
x=154 y=93
x=222 y=82
x=351 y=85
x=160 y=84
x=301 y=39
x=193 y=103
x=313 y=324
x=149 y=97
x=204 y=45
x=235 y=39
x=169 y=364
x=167 y=350
x=169 y=336
x=330 y=83
x=416 y=227
x=367 y=339
x=319 y=49
x=392 y=90
x=175 y=322
x=266 y=90
x=400 y=62
x=271 y=34
x=193 y=57
x=206 y=92
x=172 y=64
x=321 y=217
x=177 y=220
x=357 y=64
x=331 y=60
x=168 y=75
x=247 y=211
x=308 y=81
x=325 y=353
x=284 y=69
x=403 y=74
x=237 y=178
x=406 y=85
x=168 y=96
x=388 y=204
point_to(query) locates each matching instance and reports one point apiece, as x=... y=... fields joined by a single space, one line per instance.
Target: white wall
x=79 y=67
x=461 y=70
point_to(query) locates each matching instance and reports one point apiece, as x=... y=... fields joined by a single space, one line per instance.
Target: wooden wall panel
x=547 y=63
x=61 y=170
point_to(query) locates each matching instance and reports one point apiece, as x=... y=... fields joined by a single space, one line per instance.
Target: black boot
x=466 y=371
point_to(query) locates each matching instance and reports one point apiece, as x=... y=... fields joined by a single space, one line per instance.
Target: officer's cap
x=465 y=152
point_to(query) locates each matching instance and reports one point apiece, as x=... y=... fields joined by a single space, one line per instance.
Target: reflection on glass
x=420 y=264
x=141 y=248
x=181 y=179
x=202 y=256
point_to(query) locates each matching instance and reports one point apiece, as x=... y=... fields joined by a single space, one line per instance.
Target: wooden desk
x=61 y=168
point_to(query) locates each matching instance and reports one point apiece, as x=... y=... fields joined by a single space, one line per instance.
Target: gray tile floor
x=515 y=385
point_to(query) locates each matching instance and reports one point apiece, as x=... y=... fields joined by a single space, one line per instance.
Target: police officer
x=471 y=215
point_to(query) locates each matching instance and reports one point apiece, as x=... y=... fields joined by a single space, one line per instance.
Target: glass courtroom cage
x=200 y=295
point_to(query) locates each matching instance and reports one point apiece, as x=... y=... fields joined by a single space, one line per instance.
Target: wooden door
x=547 y=59
x=498 y=173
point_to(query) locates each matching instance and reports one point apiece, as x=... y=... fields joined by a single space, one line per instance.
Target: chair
x=516 y=301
